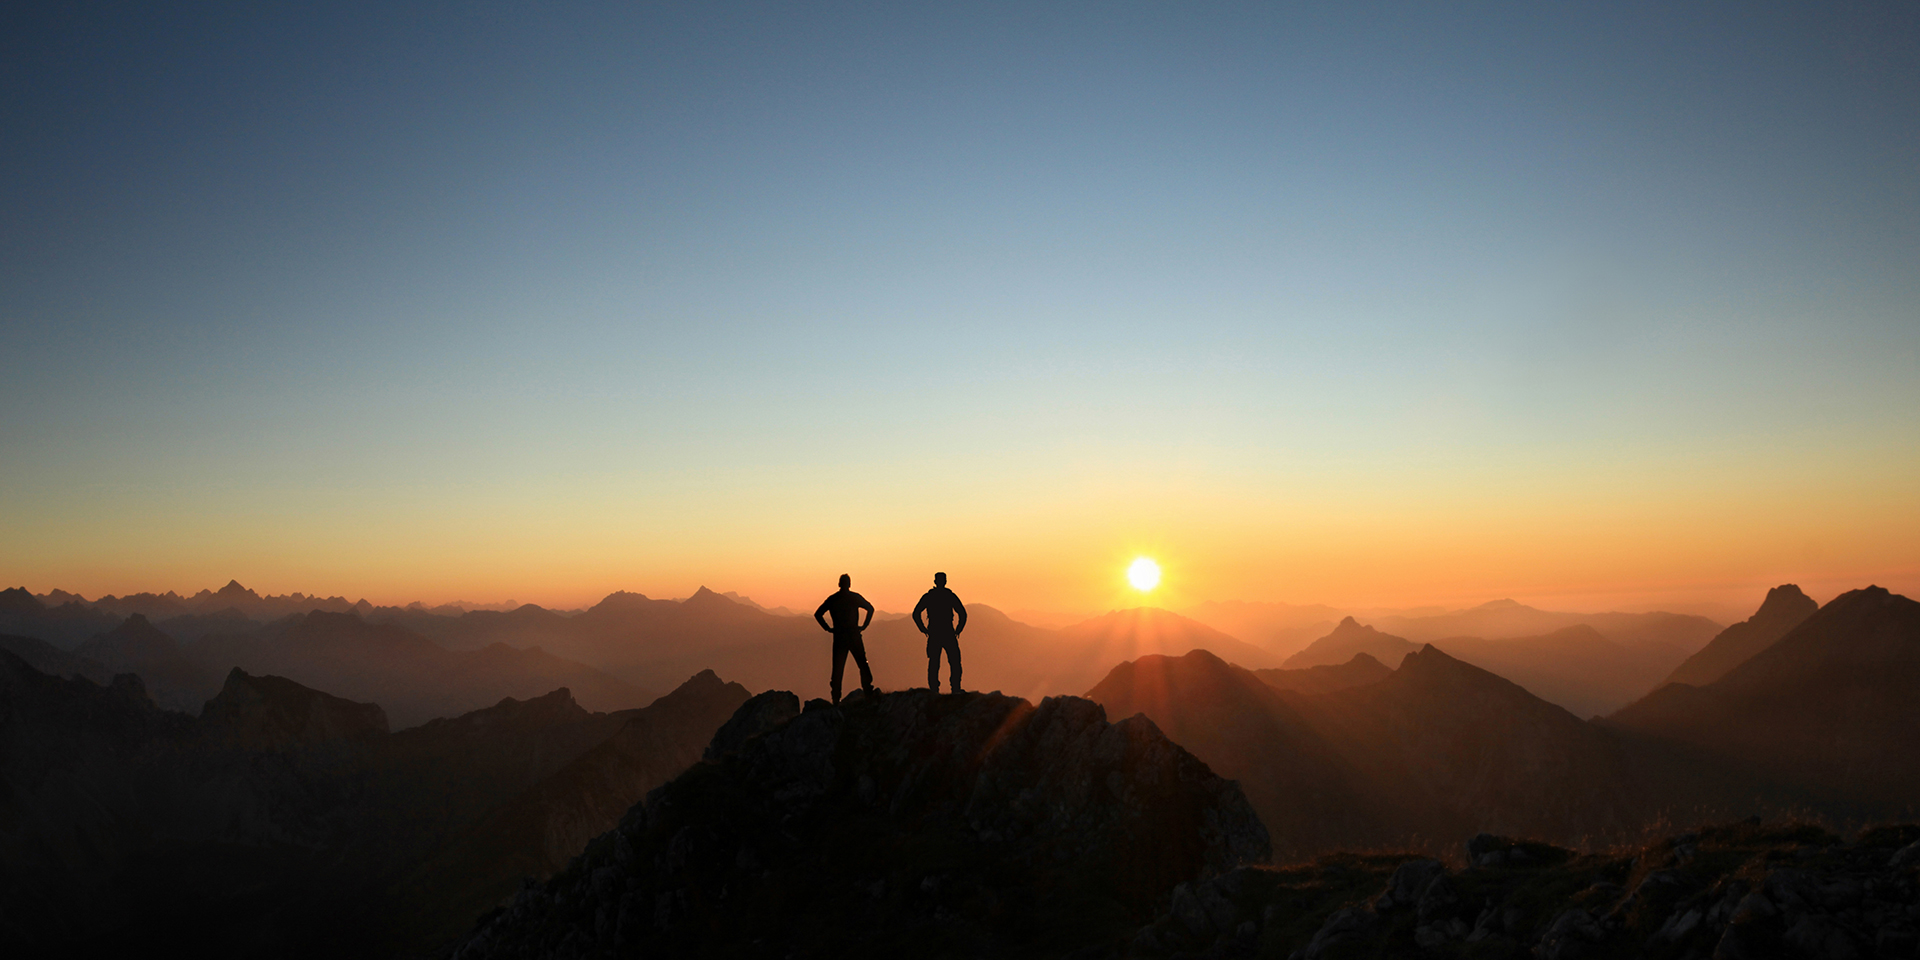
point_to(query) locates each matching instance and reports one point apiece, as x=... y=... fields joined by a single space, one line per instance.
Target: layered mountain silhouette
x=290 y=816
x=1501 y=619
x=49 y=659
x=1575 y=666
x=1348 y=639
x=906 y=824
x=1281 y=628
x=289 y=821
x=415 y=679
x=1362 y=669
x=1784 y=609
x=1829 y=706
x=63 y=625
x=176 y=679
x=1433 y=748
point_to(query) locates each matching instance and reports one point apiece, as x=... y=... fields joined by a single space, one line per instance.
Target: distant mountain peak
x=133 y=641
x=274 y=713
x=1504 y=603
x=1784 y=608
x=21 y=599
x=1348 y=638
x=1786 y=600
x=234 y=589
x=622 y=600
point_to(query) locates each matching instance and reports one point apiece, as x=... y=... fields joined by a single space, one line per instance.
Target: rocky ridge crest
x=961 y=825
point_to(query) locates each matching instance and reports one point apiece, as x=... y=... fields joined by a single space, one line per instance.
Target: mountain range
x=1589 y=663
x=289 y=821
x=1575 y=665
x=290 y=817
x=1829 y=705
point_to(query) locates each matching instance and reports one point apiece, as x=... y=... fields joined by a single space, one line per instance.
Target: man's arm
x=868 y=607
x=961 y=609
x=919 y=613
x=820 y=615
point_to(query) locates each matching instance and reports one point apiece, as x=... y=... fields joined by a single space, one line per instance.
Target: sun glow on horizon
x=1144 y=574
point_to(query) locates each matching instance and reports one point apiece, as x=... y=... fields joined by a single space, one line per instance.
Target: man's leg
x=859 y=648
x=839 y=664
x=933 y=665
x=953 y=663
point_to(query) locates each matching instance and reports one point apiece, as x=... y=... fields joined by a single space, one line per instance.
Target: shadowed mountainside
x=1306 y=794
x=415 y=679
x=283 y=819
x=1362 y=669
x=1784 y=608
x=1436 y=748
x=1574 y=666
x=910 y=823
x=1829 y=706
x=174 y=678
x=536 y=832
x=49 y=659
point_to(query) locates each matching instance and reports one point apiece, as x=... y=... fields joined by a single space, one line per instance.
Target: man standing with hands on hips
x=845 y=607
x=945 y=617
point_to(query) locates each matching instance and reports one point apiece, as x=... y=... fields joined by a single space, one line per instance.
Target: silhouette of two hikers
x=945 y=618
x=845 y=606
x=939 y=614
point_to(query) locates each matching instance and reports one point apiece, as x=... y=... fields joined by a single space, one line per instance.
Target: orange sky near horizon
x=1602 y=536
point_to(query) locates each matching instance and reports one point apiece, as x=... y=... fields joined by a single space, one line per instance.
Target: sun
x=1144 y=574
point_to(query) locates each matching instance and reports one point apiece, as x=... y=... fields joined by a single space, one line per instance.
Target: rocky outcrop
x=963 y=825
x=1742 y=890
x=757 y=716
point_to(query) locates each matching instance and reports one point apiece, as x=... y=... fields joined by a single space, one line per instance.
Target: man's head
x=845 y=581
x=939 y=579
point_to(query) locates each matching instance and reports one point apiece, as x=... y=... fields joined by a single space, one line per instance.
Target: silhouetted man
x=845 y=607
x=946 y=616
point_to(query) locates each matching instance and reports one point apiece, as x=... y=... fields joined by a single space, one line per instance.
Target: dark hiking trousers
x=843 y=644
x=935 y=644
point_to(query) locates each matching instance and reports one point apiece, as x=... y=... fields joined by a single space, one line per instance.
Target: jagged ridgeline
x=907 y=824
x=284 y=821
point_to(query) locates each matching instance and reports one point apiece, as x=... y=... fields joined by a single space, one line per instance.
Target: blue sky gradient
x=651 y=285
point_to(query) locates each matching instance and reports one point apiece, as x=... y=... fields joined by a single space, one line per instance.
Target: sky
x=1594 y=305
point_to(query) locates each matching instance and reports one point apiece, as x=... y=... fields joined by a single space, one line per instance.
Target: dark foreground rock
x=1737 y=891
x=904 y=824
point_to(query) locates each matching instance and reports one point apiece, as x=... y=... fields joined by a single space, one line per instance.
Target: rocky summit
x=1732 y=892
x=907 y=823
